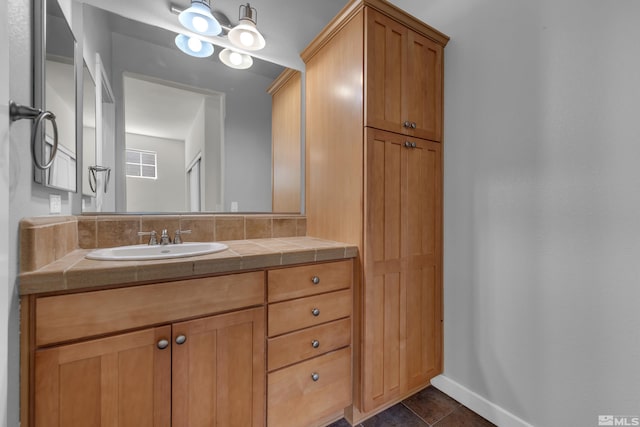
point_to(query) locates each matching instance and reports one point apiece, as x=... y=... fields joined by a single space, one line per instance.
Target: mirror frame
x=85 y=167
x=39 y=87
x=104 y=95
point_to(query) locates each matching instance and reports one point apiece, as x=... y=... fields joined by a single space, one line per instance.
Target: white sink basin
x=143 y=252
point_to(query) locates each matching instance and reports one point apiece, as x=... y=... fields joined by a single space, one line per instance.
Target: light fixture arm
x=249 y=13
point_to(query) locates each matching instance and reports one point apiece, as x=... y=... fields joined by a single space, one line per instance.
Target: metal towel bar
x=19 y=112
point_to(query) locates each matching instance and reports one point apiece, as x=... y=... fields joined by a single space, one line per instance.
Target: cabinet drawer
x=68 y=317
x=296 y=282
x=298 y=314
x=295 y=399
x=298 y=346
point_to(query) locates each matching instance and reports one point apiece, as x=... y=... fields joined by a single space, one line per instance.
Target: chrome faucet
x=164 y=237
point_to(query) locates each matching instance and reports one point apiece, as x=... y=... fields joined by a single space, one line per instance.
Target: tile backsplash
x=44 y=240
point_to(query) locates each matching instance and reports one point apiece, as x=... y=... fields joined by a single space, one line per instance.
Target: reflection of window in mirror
x=142 y=164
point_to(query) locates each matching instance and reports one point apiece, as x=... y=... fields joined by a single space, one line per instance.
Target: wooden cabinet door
x=121 y=381
x=403 y=79
x=384 y=295
x=422 y=94
x=402 y=273
x=421 y=245
x=386 y=48
x=219 y=371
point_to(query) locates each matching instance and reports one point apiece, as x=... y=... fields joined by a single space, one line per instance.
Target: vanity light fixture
x=245 y=35
x=194 y=46
x=198 y=19
x=234 y=59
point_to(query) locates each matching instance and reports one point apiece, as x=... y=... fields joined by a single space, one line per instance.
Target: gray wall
x=168 y=191
x=26 y=198
x=5 y=245
x=247 y=140
x=541 y=205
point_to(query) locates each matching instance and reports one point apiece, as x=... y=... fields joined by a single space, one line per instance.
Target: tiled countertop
x=74 y=271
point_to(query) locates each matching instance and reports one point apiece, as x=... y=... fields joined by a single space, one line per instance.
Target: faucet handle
x=153 y=236
x=178 y=237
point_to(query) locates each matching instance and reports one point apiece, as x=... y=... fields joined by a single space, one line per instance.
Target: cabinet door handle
x=414 y=125
x=315 y=343
x=315 y=376
x=181 y=339
x=407 y=144
x=407 y=124
x=315 y=280
x=162 y=344
x=315 y=312
x=413 y=145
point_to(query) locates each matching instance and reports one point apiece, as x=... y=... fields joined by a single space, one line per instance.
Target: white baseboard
x=477 y=403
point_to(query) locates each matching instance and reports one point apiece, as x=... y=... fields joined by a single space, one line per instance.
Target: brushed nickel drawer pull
x=315 y=343
x=315 y=280
x=315 y=376
x=315 y=312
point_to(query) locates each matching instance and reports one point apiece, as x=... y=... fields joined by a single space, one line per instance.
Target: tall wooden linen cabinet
x=374 y=82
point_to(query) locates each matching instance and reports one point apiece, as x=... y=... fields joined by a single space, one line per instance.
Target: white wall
x=542 y=204
x=167 y=192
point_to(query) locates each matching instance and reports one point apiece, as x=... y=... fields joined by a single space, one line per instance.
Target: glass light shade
x=198 y=18
x=246 y=36
x=233 y=59
x=193 y=46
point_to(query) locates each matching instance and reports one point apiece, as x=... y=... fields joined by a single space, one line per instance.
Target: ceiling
x=288 y=26
x=146 y=111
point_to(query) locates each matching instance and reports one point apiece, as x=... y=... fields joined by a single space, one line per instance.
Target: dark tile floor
x=429 y=407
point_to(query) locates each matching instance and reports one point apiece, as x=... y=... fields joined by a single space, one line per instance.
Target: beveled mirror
x=55 y=91
x=136 y=41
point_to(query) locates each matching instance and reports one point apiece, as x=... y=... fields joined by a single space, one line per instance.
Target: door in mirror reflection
x=88 y=134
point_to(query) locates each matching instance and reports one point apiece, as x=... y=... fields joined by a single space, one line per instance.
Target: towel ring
x=93 y=173
x=19 y=112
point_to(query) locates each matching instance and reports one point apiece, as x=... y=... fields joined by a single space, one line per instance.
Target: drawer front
x=68 y=317
x=296 y=282
x=311 y=342
x=295 y=399
x=301 y=313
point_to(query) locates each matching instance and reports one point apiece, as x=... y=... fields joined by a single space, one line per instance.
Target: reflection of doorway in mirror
x=193 y=178
x=184 y=126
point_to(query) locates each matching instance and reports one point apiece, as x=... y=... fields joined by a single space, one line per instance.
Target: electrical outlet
x=55 y=204
x=234 y=206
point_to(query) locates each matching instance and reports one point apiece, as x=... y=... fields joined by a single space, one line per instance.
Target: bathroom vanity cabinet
x=205 y=371
x=196 y=351
x=374 y=81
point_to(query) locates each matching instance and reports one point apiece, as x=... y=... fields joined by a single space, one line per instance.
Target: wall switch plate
x=55 y=204
x=234 y=206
